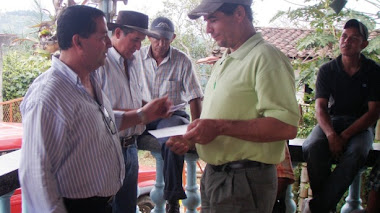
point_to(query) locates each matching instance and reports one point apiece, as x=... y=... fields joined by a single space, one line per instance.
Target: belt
x=237 y=165
x=127 y=141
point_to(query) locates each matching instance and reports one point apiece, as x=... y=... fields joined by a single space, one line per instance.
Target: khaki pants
x=249 y=190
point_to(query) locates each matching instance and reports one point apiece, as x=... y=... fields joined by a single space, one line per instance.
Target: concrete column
x=5 y=202
x=157 y=193
x=193 y=199
x=353 y=201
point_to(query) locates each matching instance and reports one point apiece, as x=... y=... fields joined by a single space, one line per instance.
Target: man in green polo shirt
x=248 y=113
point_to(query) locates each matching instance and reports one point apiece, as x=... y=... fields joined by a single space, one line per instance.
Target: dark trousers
x=87 y=205
x=125 y=199
x=173 y=163
x=329 y=186
x=243 y=190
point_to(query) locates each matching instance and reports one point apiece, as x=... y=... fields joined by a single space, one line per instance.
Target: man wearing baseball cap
x=168 y=71
x=347 y=107
x=123 y=89
x=248 y=112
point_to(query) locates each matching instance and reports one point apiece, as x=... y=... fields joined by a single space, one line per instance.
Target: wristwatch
x=141 y=115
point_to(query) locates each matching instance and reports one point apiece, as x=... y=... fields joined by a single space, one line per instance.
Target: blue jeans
x=125 y=199
x=329 y=187
x=173 y=163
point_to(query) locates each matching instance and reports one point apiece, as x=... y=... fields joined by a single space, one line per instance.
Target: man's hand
x=202 y=131
x=179 y=145
x=157 y=108
x=336 y=145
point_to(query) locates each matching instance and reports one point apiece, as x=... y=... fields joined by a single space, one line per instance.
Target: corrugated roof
x=286 y=40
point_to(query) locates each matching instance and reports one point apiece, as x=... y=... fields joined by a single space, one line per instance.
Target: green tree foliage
x=20 y=68
x=327 y=25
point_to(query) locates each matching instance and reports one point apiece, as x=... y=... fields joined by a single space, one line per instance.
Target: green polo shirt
x=257 y=80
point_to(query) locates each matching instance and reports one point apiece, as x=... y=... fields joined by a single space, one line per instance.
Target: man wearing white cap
x=248 y=112
x=168 y=71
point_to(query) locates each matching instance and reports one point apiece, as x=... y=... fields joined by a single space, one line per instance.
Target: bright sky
x=264 y=9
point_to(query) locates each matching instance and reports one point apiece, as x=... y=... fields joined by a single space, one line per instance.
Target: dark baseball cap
x=163 y=27
x=353 y=23
x=210 y=6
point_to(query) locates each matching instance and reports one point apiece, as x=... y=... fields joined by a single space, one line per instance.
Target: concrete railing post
x=157 y=193
x=290 y=204
x=353 y=201
x=5 y=202
x=193 y=199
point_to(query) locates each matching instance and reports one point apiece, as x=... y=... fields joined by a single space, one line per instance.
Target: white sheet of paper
x=169 y=131
x=177 y=107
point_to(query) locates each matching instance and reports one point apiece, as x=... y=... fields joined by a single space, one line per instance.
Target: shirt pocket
x=172 y=89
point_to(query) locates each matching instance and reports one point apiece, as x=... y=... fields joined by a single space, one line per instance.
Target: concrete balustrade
x=9 y=178
x=149 y=143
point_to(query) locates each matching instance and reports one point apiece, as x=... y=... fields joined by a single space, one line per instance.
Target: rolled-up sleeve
x=276 y=92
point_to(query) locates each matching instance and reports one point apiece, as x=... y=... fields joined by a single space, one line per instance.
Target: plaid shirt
x=174 y=76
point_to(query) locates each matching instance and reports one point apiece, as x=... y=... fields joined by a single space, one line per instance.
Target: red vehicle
x=10 y=140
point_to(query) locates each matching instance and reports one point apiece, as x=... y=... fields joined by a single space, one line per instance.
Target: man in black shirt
x=347 y=108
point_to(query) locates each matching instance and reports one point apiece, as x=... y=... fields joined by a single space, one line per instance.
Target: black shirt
x=348 y=95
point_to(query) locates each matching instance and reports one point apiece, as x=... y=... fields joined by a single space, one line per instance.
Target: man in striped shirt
x=123 y=89
x=168 y=71
x=71 y=160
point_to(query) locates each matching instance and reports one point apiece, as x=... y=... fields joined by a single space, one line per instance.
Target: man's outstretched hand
x=157 y=108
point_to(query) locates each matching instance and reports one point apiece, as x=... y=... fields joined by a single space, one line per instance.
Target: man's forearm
x=124 y=110
x=323 y=117
x=324 y=121
x=257 y=130
x=130 y=119
x=195 y=108
x=365 y=121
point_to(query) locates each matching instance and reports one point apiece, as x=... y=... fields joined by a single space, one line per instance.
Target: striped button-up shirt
x=69 y=148
x=174 y=77
x=122 y=93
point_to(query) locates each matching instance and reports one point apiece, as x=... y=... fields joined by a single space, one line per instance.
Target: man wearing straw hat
x=123 y=89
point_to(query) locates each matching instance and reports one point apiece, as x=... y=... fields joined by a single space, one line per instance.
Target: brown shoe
x=172 y=206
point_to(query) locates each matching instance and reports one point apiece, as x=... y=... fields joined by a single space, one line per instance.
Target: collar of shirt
x=66 y=71
x=363 y=64
x=148 y=54
x=245 y=48
x=114 y=55
x=72 y=77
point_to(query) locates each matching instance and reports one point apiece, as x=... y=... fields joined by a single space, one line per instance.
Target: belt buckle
x=127 y=141
x=226 y=168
